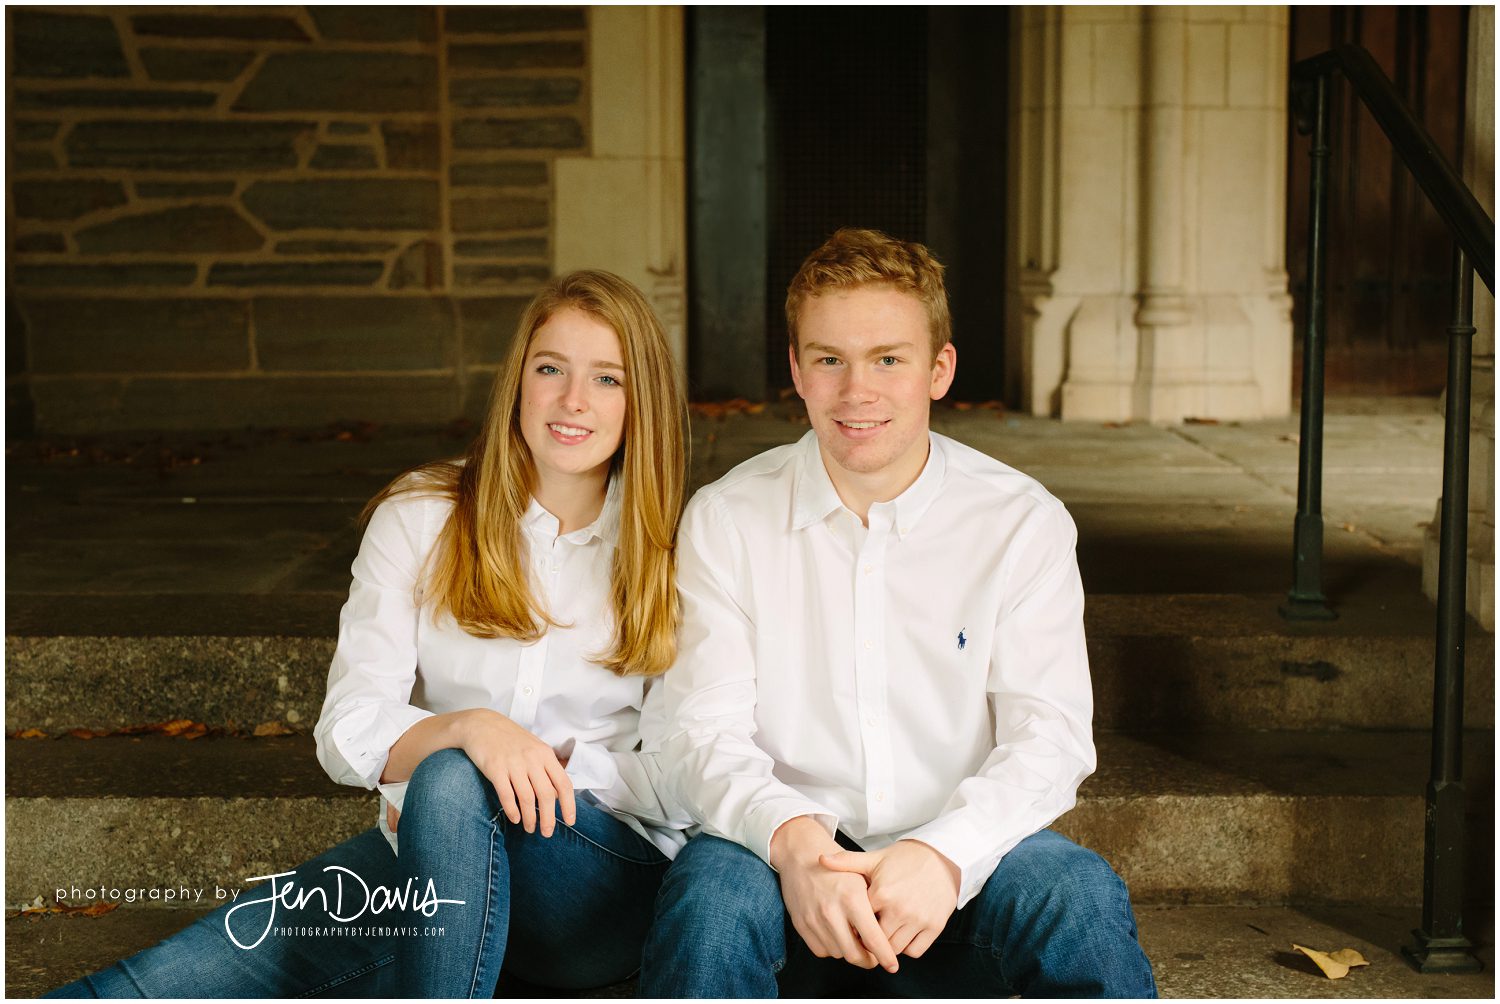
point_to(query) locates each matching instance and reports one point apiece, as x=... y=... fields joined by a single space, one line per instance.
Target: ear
x=791 y=354
x=943 y=369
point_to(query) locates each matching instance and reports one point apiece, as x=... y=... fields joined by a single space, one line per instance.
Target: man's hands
x=526 y=774
x=830 y=909
x=912 y=889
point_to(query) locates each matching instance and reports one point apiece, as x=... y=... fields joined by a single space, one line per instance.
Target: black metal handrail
x=1440 y=944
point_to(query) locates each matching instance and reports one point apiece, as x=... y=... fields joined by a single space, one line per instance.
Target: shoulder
x=979 y=479
x=416 y=510
x=763 y=483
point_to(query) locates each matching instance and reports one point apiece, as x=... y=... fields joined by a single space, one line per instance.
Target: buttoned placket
x=870 y=669
x=546 y=564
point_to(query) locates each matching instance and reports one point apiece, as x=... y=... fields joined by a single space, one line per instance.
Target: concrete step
x=1209 y=818
x=1205 y=662
x=1196 y=952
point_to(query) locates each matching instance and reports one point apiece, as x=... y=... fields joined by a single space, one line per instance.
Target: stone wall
x=279 y=216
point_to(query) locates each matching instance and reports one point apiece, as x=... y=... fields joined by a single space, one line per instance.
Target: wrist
x=799 y=841
x=954 y=872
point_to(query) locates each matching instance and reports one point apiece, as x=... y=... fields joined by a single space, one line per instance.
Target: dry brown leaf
x=85 y=733
x=963 y=406
x=1337 y=965
x=29 y=734
x=272 y=729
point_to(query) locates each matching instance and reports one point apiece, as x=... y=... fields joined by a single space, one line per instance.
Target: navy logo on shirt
x=962 y=641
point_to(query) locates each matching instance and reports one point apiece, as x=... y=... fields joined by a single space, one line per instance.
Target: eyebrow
x=876 y=350
x=598 y=364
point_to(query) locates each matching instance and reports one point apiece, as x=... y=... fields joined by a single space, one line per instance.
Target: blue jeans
x=1054 y=920
x=582 y=900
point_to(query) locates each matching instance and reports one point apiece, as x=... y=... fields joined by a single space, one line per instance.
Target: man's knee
x=715 y=885
x=1049 y=875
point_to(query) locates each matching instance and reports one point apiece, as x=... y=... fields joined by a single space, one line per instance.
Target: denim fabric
x=585 y=895
x=1054 y=920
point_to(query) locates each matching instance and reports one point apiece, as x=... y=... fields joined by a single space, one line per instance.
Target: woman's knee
x=446 y=781
x=715 y=885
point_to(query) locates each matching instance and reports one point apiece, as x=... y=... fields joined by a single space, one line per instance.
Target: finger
x=813 y=942
x=873 y=938
x=848 y=861
x=922 y=942
x=546 y=801
x=392 y=817
x=526 y=799
x=851 y=951
x=902 y=937
x=507 y=798
x=564 y=786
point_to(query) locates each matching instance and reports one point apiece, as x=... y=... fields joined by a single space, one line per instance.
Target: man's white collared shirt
x=924 y=677
x=395 y=666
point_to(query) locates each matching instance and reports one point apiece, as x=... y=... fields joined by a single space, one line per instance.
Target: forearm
x=445 y=731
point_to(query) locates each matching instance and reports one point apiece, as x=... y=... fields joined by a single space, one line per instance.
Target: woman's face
x=573 y=396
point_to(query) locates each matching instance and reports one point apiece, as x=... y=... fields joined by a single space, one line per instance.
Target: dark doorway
x=1389 y=255
x=806 y=120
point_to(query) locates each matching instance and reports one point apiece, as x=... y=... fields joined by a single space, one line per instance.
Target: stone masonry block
x=513 y=92
x=487 y=325
x=296 y=273
x=111 y=276
x=517 y=56
x=512 y=247
x=64 y=45
x=43 y=243
x=255 y=27
x=342 y=82
x=499 y=173
x=111 y=97
x=548 y=133
x=64 y=200
x=32 y=131
x=334 y=247
x=503 y=20
x=109 y=335
x=348 y=128
x=182 y=189
x=32 y=160
x=81 y=405
x=343 y=157
x=420 y=266
x=183 y=229
x=194 y=64
x=500 y=275
x=500 y=212
x=376 y=24
x=192 y=145
x=411 y=146
x=354 y=333
x=353 y=204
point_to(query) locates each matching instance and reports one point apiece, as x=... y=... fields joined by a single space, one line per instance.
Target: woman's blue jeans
x=1054 y=920
x=569 y=911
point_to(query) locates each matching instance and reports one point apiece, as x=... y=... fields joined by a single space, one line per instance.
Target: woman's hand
x=527 y=775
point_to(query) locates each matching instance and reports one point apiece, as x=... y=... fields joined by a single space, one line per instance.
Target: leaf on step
x=29 y=734
x=85 y=733
x=182 y=728
x=92 y=910
x=272 y=729
x=1337 y=965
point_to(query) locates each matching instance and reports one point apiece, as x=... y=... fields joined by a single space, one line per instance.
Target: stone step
x=1185 y=818
x=1195 y=951
x=1202 y=662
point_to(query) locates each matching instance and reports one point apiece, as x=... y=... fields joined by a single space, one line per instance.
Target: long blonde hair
x=477 y=571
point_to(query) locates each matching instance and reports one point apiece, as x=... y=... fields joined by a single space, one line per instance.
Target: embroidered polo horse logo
x=962 y=641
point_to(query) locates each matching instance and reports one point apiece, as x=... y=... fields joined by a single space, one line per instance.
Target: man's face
x=864 y=367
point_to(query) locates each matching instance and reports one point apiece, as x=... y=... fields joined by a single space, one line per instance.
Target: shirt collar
x=816 y=497
x=606 y=526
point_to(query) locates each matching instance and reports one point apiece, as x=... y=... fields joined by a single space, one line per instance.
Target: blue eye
x=828 y=360
x=888 y=360
x=609 y=381
x=548 y=369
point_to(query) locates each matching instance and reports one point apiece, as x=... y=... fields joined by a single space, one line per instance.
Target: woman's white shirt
x=395 y=666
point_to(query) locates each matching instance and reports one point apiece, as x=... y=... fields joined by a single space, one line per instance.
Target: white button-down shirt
x=922 y=678
x=394 y=666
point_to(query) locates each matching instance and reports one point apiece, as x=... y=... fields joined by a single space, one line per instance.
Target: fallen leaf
x=29 y=734
x=1190 y=420
x=962 y=406
x=272 y=729
x=1337 y=965
x=84 y=733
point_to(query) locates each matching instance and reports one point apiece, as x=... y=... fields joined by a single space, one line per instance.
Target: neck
x=858 y=491
x=576 y=500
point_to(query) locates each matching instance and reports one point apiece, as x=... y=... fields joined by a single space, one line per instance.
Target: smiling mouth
x=571 y=431
x=859 y=425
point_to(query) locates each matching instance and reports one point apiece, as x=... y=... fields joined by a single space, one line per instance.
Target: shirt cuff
x=972 y=850
x=364 y=735
x=591 y=767
x=761 y=824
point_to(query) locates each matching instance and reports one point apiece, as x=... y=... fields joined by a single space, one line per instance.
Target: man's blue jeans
x=580 y=901
x=1054 y=920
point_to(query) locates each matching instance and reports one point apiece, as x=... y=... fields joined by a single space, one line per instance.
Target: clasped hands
x=863 y=907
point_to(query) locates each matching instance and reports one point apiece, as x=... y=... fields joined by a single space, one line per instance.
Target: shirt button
x=527 y=691
x=869 y=644
x=555 y=569
x=869 y=569
x=880 y=796
x=872 y=721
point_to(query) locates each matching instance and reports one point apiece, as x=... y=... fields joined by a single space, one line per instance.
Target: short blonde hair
x=854 y=257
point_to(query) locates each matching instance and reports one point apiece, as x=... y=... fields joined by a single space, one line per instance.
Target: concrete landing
x=1196 y=952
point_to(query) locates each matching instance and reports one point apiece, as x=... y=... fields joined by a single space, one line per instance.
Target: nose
x=857 y=385
x=574 y=398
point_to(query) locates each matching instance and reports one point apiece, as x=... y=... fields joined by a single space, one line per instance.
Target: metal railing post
x=1440 y=943
x=1305 y=600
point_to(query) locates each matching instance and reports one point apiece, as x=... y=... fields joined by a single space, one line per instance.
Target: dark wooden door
x=1389 y=255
